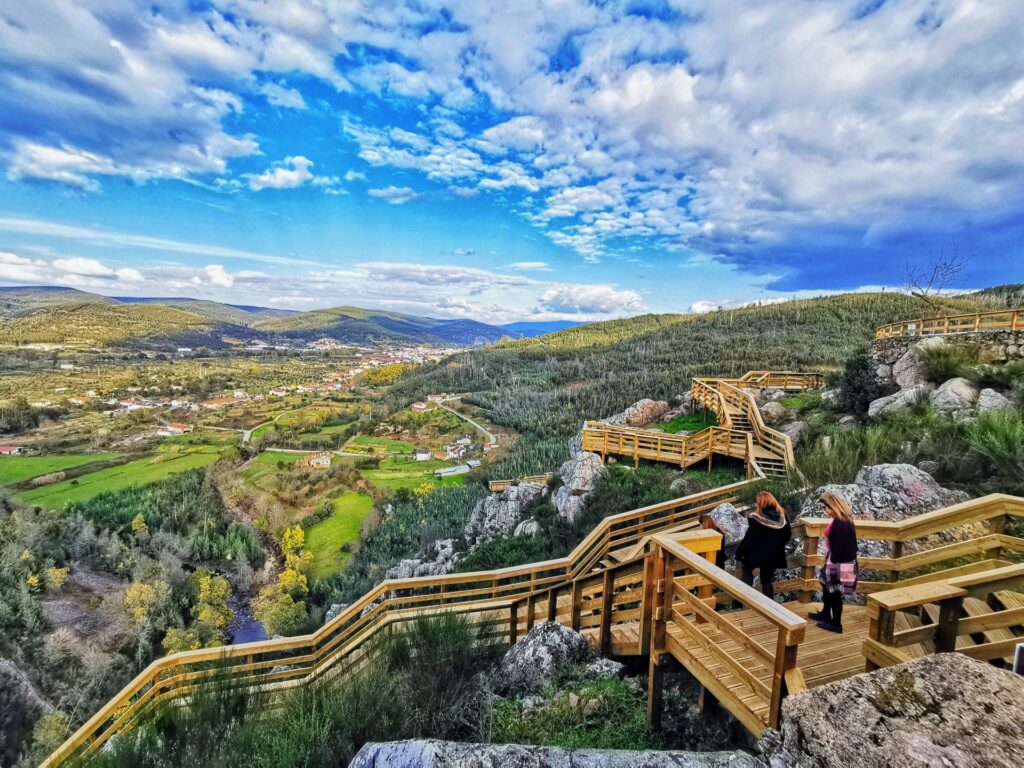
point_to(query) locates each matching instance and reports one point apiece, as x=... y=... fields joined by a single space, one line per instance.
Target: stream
x=244 y=628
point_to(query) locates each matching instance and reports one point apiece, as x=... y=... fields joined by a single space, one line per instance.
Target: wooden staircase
x=740 y=432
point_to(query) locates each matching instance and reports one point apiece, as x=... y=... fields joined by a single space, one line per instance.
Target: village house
x=436 y=398
x=174 y=428
x=218 y=402
x=279 y=391
x=317 y=460
x=464 y=441
x=455 y=451
x=420 y=406
x=422 y=454
x=488 y=447
x=440 y=455
x=10 y=450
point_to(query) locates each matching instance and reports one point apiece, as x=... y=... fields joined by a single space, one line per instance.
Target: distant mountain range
x=52 y=314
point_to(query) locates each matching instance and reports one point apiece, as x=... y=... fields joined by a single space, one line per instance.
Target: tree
x=278 y=612
x=929 y=281
x=141 y=599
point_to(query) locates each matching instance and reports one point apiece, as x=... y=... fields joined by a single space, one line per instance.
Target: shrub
x=858 y=385
x=996 y=438
x=948 y=361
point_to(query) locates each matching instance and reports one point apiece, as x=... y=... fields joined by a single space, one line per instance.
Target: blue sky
x=514 y=161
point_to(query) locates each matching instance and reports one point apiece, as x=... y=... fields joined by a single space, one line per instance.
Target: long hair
x=765 y=501
x=837 y=505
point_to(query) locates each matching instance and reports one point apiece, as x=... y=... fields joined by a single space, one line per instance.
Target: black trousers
x=832 y=607
x=767 y=577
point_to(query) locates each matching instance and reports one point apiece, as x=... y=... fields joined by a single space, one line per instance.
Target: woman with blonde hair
x=764 y=544
x=838 y=575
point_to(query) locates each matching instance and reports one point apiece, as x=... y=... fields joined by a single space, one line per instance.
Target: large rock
x=732 y=522
x=797 y=431
x=530 y=665
x=990 y=400
x=580 y=476
x=500 y=513
x=943 y=710
x=773 y=413
x=640 y=413
x=902 y=399
x=453 y=754
x=886 y=492
x=830 y=397
x=908 y=371
x=955 y=397
x=440 y=558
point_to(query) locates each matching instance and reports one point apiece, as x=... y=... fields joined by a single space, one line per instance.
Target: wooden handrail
x=497 y=486
x=974 y=322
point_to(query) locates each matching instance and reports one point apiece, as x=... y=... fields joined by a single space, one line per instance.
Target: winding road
x=491 y=437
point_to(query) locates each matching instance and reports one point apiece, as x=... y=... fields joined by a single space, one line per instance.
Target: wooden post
x=577 y=604
x=948 y=625
x=996 y=525
x=897 y=553
x=531 y=609
x=656 y=673
x=785 y=660
x=513 y=623
x=810 y=550
x=607 y=594
x=647 y=599
x=553 y=604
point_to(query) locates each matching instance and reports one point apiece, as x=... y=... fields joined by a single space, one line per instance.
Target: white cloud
x=354 y=176
x=280 y=96
x=80 y=266
x=290 y=173
x=592 y=299
x=530 y=266
x=395 y=195
x=217 y=275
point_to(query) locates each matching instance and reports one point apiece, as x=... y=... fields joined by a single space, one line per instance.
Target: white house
x=422 y=454
x=10 y=450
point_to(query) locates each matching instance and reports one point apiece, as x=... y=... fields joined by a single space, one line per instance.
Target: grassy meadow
x=15 y=469
x=326 y=538
x=399 y=472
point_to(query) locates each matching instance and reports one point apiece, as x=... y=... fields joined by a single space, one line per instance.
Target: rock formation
x=580 y=476
x=943 y=710
x=990 y=400
x=451 y=754
x=498 y=514
x=531 y=663
x=955 y=397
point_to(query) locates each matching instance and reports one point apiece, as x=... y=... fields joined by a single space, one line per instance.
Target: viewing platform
x=977 y=322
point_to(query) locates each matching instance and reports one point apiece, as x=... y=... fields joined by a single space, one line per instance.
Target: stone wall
x=999 y=346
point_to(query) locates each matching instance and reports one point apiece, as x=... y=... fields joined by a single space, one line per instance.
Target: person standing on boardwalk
x=838 y=575
x=764 y=545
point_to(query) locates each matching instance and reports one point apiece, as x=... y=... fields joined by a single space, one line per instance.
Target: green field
x=378 y=445
x=693 y=422
x=395 y=473
x=326 y=538
x=204 y=437
x=140 y=472
x=263 y=468
x=14 y=469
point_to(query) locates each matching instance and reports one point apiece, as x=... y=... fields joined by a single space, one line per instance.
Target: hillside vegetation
x=547 y=386
x=94 y=323
x=21 y=300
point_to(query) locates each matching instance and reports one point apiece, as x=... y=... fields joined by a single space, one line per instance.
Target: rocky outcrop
x=943 y=710
x=451 y=754
x=909 y=371
x=440 y=558
x=531 y=663
x=640 y=414
x=500 y=513
x=580 y=475
x=335 y=611
x=798 y=431
x=902 y=399
x=886 y=492
x=732 y=522
x=773 y=413
x=604 y=669
x=955 y=397
x=990 y=400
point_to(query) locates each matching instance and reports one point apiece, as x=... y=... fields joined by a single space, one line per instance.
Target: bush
x=858 y=385
x=948 y=361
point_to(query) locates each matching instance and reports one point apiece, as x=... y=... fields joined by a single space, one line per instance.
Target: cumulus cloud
x=290 y=173
x=217 y=275
x=395 y=195
x=592 y=299
x=530 y=266
x=74 y=271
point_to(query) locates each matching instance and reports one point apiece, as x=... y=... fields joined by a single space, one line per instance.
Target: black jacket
x=764 y=546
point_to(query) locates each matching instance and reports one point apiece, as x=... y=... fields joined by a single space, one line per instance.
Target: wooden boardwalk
x=976 y=322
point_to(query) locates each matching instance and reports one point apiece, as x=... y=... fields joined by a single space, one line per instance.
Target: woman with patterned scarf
x=838 y=575
x=764 y=544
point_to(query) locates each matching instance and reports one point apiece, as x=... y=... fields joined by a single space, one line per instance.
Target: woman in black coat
x=764 y=545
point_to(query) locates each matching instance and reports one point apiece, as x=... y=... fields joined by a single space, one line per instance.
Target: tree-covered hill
x=547 y=386
x=97 y=324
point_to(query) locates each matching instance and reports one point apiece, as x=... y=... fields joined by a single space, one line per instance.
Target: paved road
x=491 y=438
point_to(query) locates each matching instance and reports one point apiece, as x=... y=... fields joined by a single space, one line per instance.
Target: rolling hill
x=237 y=314
x=97 y=324
x=530 y=328
x=21 y=300
x=356 y=325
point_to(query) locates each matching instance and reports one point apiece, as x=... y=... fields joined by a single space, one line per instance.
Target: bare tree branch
x=942 y=273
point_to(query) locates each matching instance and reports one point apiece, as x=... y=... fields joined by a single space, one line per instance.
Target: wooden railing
x=497 y=486
x=497 y=597
x=1000 y=320
x=728 y=662
x=681 y=450
x=920 y=547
